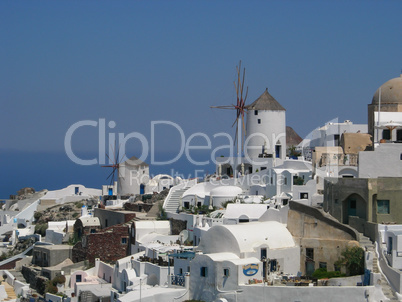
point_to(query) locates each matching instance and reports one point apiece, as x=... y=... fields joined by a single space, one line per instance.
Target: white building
x=133 y=177
x=236 y=254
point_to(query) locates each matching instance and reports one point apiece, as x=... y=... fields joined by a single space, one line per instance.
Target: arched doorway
x=354 y=205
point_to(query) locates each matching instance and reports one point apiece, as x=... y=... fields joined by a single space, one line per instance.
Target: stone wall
x=108 y=245
x=325 y=236
x=32 y=276
x=142 y=207
x=108 y=218
x=177 y=226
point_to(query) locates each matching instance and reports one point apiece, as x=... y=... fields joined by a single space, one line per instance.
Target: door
x=352 y=207
x=264 y=256
x=142 y=189
x=273 y=265
x=110 y=191
x=77 y=190
x=278 y=151
x=309 y=268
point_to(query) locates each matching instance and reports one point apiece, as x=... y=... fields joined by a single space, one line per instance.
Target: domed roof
x=226 y=191
x=391 y=92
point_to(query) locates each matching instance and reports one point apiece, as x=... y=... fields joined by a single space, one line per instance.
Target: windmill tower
x=114 y=176
x=266 y=131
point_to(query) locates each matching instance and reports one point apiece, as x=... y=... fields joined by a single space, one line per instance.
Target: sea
x=54 y=170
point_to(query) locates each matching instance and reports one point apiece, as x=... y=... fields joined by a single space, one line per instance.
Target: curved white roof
x=152 y=224
x=201 y=189
x=241 y=238
x=162 y=176
x=226 y=191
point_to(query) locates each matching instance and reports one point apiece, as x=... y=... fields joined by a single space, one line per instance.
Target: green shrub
x=60 y=279
x=322 y=273
x=37 y=215
x=41 y=229
x=50 y=287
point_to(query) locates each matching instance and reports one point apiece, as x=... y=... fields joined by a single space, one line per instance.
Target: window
x=303 y=195
x=78 y=278
x=337 y=268
x=181 y=271
x=204 y=271
x=310 y=254
x=259 y=121
x=255 y=112
x=285 y=202
x=322 y=265
x=336 y=139
x=186 y=205
x=226 y=272
x=353 y=203
x=399 y=135
x=263 y=168
x=93 y=231
x=278 y=151
x=389 y=246
x=124 y=240
x=285 y=181
x=386 y=134
x=383 y=206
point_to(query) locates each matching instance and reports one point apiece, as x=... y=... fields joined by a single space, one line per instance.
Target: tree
x=353 y=259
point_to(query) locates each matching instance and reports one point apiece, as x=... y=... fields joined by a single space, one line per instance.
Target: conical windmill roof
x=265 y=102
x=134 y=161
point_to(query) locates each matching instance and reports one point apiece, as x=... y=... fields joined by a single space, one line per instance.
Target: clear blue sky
x=134 y=62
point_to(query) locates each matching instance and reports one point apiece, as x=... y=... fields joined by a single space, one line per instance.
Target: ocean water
x=54 y=170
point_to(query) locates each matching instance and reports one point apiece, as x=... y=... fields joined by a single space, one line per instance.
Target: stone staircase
x=172 y=204
x=367 y=245
x=11 y=296
x=86 y=296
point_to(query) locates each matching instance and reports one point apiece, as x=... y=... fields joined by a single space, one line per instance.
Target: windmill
x=240 y=108
x=114 y=163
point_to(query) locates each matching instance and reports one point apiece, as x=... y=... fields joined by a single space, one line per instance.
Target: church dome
x=391 y=92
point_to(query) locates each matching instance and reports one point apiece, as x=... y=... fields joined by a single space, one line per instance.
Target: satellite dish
x=183 y=236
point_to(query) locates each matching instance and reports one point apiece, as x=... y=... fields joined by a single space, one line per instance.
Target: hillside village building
x=373 y=197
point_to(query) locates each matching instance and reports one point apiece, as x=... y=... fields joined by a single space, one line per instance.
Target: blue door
x=110 y=191
x=77 y=190
x=278 y=151
x=142 y=189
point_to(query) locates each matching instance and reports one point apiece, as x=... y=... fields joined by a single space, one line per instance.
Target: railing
x=339 y=159
x=184 y=184
x=393 y=276
x=178 y=280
